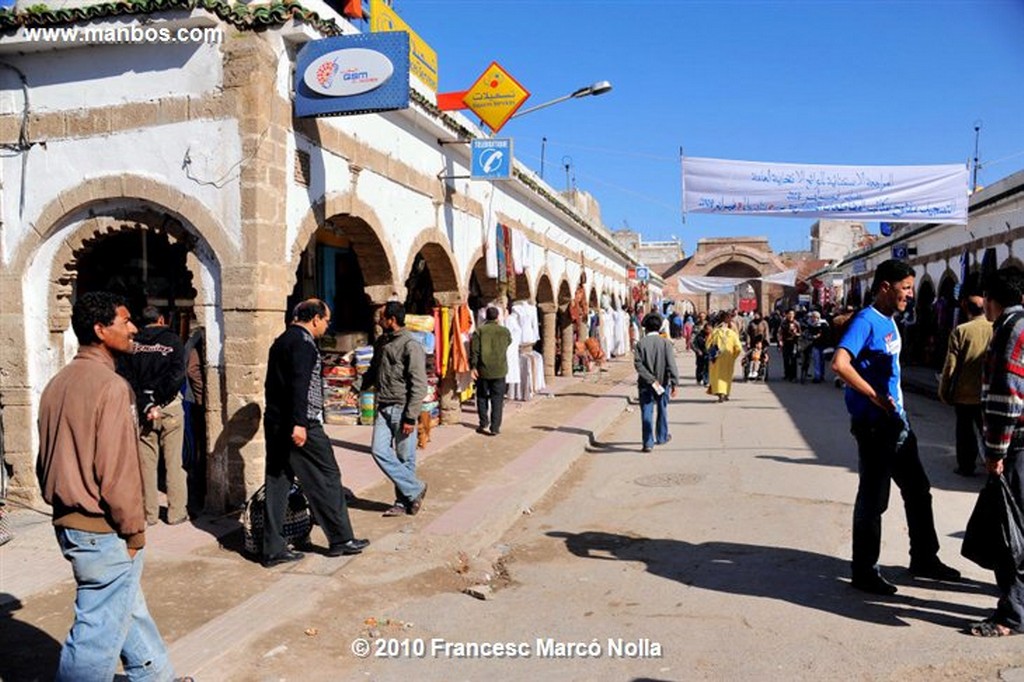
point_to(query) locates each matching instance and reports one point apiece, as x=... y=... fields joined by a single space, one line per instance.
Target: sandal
x=988 y=628
x=397 y=509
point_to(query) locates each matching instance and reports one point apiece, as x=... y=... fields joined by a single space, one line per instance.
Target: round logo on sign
x=352 y=71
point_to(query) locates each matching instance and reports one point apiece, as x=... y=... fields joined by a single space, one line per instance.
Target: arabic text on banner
x=932 y=194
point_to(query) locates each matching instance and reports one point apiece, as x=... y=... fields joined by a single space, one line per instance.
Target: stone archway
x=522 y=290
x=735 y=257
x=734 y=268
x=481 y=289
x=342 y=215
x=545 y=291
x=921 y=340
x=548 y=322
x=430 y=250
x=47 y=270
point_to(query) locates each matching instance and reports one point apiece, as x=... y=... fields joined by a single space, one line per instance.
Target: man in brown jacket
x=960 y=382
x=89 y=472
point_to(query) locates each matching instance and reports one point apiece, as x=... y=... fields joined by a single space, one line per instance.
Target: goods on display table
x=346 y=407
x=341 y=403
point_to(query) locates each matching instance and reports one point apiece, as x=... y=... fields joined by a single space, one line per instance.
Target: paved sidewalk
x=209 y=600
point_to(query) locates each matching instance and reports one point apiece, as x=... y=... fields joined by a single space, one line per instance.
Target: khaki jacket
x=960 y=382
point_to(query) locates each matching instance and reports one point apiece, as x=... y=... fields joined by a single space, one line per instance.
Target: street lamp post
x=543 y=144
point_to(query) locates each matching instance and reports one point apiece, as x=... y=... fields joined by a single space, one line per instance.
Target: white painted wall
x=157 y=152
x=104 y=75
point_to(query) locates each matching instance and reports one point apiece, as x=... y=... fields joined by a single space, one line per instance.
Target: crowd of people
x=97 y=467
x=982 y=378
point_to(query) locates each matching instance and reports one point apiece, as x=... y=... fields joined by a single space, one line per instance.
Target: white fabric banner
x=709 y=285
x=915 y=194
x=726 y=285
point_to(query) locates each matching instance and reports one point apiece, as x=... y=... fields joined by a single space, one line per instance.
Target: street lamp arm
x=542 y=106
x=598 y=88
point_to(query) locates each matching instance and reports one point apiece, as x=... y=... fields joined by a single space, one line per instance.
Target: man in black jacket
x=297 y=446
x=156 y=370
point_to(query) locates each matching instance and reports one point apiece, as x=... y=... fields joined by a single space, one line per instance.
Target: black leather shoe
x=282 y=557
x=873 y=583
x=934 y=570
x=353 y=546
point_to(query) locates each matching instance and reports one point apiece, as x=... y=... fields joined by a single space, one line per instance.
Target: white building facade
x=123 y=159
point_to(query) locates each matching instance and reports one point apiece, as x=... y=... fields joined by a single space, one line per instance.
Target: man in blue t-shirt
x=868 y=360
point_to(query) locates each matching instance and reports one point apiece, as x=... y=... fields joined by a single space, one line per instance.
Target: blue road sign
x=900 y=252
x=643 y=274
x=491 y=159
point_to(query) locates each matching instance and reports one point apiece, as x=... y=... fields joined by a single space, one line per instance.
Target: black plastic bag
x=995 y=532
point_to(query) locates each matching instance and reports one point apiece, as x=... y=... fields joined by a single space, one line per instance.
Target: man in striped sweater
x=1002 y=400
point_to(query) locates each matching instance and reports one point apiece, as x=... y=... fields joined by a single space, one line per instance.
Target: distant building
x=651 y=253
x=833 y=240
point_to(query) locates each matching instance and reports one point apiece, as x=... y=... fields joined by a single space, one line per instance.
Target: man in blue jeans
x=657 y=378
x=868 y=360
x=399 y=373
x=90 y=473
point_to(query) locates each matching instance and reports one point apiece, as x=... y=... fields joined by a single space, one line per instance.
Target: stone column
x=567 y=343
x=15 y=394
x=448 y=389
x=256 y=287
x=549 y=328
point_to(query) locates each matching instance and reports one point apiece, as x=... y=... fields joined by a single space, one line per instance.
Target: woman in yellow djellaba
x=728 y=347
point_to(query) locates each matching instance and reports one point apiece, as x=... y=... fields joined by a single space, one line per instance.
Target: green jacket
x=487 y=350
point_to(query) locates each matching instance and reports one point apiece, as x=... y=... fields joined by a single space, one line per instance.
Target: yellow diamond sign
x=495 y=96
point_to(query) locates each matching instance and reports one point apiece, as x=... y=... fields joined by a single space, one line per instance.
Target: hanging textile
x=725 y=285
x=527 y=255
x=510 y=267
x=512 y=376
x=528 y=322
x=503 y=255
x=518 y=239
x=491 y=246
x=438 y=343
x=463 y=328
x=446 y=335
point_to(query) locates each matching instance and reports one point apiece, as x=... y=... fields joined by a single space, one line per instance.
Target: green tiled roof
x=241 y=16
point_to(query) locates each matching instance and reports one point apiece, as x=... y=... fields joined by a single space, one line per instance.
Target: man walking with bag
x=1003 y=411
x=297 y=446
x=657 y=378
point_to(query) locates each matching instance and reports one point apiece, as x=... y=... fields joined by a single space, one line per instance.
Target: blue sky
x=857 y=82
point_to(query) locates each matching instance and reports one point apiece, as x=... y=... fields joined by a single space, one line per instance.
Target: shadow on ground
x=806 y=405
x=28 y=652
x=806 y=579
